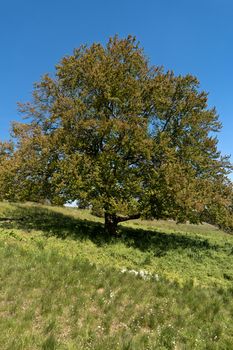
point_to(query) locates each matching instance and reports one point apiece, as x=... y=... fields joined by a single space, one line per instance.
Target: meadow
x=64 y=284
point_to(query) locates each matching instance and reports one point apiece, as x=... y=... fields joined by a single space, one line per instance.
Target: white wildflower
x=146 y=275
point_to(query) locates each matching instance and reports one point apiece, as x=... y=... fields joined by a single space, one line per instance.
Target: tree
x=110 y=128
x=6 y=152
x=27 y=166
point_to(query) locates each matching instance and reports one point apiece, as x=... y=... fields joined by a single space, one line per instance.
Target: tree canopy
x=109 y=129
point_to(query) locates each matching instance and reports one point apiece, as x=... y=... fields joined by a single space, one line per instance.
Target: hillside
x=157 y=285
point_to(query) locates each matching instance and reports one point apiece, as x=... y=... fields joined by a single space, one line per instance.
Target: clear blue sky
x=187 y=36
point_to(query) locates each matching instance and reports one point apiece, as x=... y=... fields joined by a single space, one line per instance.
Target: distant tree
x=108 y=128
x=6 y=152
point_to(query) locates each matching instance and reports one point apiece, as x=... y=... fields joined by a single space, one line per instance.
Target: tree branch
x=127 y=218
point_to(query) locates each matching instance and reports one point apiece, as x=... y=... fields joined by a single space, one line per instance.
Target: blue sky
x=186 y=36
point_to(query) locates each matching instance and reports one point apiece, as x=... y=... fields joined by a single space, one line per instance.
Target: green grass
x=62 y=285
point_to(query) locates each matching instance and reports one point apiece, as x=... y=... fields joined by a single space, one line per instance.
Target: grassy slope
x=61 y=285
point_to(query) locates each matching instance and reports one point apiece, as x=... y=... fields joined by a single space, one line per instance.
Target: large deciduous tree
x=108 y=128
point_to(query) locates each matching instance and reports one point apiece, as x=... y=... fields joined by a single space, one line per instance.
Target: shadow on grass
x=52 y=223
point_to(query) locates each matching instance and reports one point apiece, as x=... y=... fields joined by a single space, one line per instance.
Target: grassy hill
x=157 y=285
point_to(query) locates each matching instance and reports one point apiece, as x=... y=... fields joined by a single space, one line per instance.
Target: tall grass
x=64 y=285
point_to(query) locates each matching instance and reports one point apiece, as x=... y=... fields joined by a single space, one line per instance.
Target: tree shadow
x=53 y=223
x=64 y=226
x=159 y=243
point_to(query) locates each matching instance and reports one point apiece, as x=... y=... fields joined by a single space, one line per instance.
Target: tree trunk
x=111 y=221
x=110 y=224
